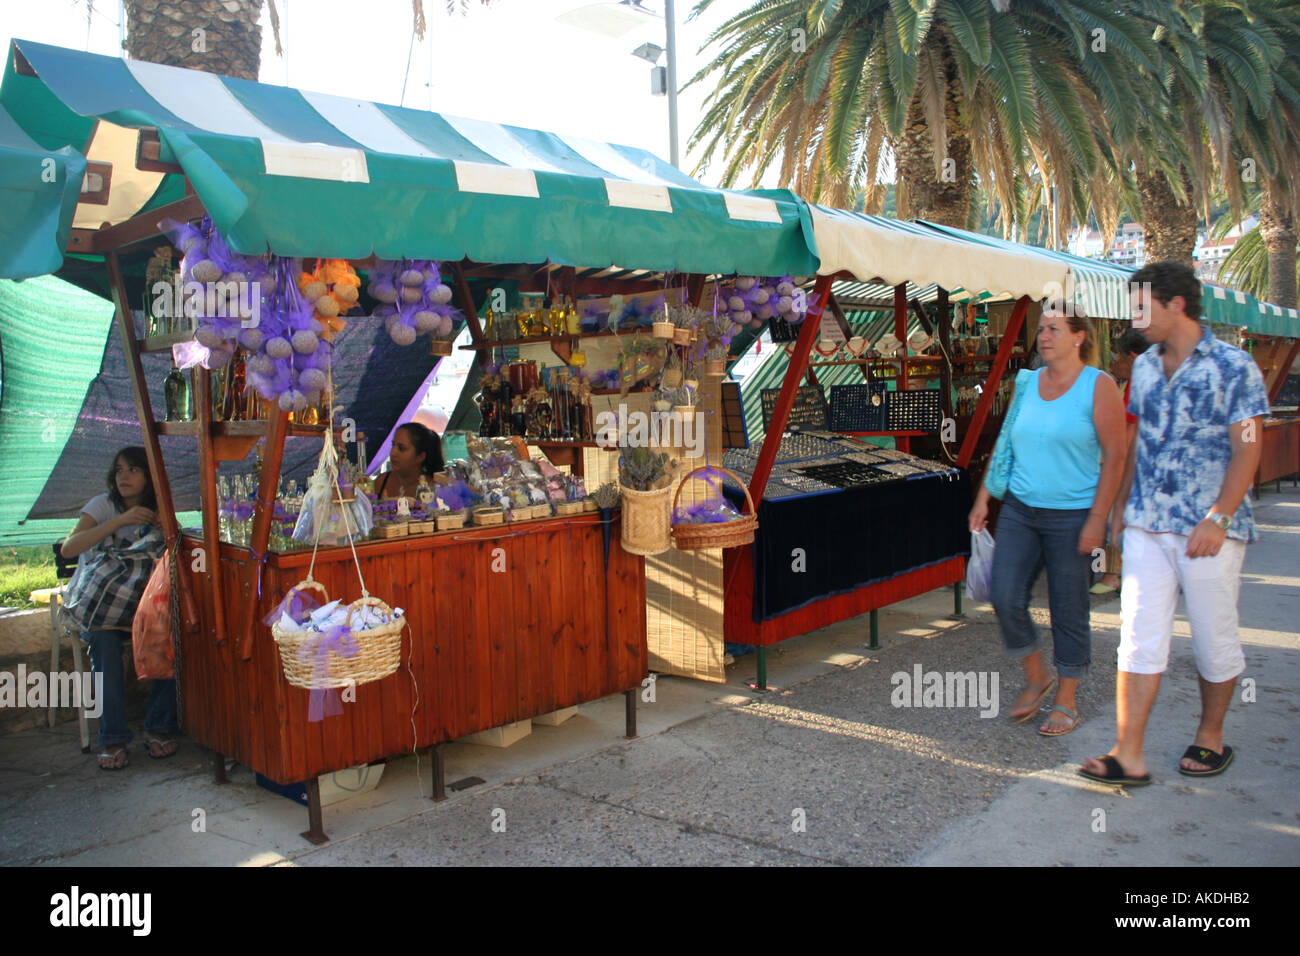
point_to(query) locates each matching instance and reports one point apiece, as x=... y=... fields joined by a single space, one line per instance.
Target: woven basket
x=440 y=347
x=724 y=534
x=395 y=529
x=421 y=527
x=450 y=521
x=681 y=336
x=663 y=330
x=379 y=655
x=568 y=507
x=715 y=366
x=647 y=520
x=588 y=504
x=486 y=516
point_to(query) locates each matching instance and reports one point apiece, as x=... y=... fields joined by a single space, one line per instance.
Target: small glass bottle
x=177 y=396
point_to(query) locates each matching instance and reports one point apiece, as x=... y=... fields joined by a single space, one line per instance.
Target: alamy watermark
x=636 y=429
x=946 y=689
x=39 y=690
x=231 y=299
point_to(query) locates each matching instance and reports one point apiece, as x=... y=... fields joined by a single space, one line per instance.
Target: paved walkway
x=821 y=770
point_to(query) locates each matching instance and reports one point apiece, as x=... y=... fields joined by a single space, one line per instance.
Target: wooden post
x=1283 y=370
x=208 y=495
x=785 y=401
x=143 y=407
x=1014 y=326
x=465 y=302
x=276 y=431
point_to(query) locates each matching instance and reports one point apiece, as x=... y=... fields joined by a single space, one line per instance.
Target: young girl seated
x=124 y=514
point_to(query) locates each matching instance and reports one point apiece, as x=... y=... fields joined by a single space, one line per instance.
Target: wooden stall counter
x=505 y=623
x=1279 y=452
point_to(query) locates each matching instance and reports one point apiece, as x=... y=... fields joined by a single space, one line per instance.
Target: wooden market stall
x=504 y=623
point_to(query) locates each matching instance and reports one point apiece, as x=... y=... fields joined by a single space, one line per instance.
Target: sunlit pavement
x=823 y=768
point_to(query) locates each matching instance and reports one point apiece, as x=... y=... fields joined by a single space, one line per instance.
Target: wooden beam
x=264 y=511
x=1283 y=370
x=465 y=302
x=785 y=401
x=141 y=228
x=143 y=407
x=96 y=183
x=1014 y=326
x=211 y=505
x=843 y=322
x=148 y=153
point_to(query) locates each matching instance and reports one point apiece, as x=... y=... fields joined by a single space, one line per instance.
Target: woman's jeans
x=1028 y=540
x=106 y=658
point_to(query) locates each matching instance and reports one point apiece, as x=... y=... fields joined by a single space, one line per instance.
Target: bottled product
x=177 y=396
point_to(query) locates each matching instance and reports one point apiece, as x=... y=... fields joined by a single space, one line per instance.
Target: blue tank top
x=1056 y=457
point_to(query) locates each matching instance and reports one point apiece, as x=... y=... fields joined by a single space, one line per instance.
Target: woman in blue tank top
x=1067 y=446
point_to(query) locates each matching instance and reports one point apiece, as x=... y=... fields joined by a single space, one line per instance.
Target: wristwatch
x=1223 y=521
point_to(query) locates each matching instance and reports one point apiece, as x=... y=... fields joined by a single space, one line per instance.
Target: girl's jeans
x=1028 y=540
x=106 y=658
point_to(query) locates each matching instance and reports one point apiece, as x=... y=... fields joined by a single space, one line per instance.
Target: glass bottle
x=159 y=292
x=232 y=403
x=177 y=396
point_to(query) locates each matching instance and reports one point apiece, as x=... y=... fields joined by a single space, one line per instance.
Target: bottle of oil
x=177 y=396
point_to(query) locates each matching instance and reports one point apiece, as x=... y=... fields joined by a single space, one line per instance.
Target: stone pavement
x=822 y=769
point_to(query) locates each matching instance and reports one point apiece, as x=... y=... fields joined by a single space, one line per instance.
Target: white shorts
x=1156 y=567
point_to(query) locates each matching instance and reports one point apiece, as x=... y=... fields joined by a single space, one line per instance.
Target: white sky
x=510 y=63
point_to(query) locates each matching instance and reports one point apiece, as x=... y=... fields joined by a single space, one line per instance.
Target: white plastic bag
x=979 y=568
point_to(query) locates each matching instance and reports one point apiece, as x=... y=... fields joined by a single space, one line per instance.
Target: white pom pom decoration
x=412 y=277
x=218 y=358
x=763 y=311
x=412 y=293
x=402 y=334
x=441 y=295
x=426 y=321
x=745 y=283
x=205 y=270
x=327 y=306
x=348 y=293
x=278 y=348
x=755 y=323
x=311 y=380
x=444 y=327
x=208 y=336
x=304 y=342
x=293 y=401
x=250 y=339
x=784 y=305
x=383 y=291
x=260 y=364
x=785 y=288
x=760 y=296
x=736 y=304
x=314 y=289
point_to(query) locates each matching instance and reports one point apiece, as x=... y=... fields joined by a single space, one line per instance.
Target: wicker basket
x=724 y=534
x=647 y=520
x=440 y=347
x=422 y=527
x=568 y=507
x=379 y=655
x=663 y=330
x=450 y=521
x=394 y=529
x=588 y=504
x=681 y=336
x=715 y=366
x=486 y=516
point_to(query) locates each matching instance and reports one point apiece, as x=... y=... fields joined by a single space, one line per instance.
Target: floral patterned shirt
x=1183 y=444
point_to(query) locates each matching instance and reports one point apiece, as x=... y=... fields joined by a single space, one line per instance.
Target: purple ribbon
x=339 y=640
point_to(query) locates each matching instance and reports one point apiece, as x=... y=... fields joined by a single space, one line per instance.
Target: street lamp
x=618 y=19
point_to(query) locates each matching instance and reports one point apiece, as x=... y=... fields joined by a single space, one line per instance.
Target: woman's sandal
x=160 y=748
x=1037 y=703
x=112 y=759
x=1075 y=721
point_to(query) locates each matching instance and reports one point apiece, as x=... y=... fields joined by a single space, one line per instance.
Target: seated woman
x=416 y=454
x=124 y=514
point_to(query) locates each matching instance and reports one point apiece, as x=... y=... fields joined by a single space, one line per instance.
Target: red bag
x=151 y=631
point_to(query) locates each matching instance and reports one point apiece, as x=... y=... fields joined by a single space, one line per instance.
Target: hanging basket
x=379 y=655
x=663 y=330
x=440 y=347
x=722 y=534
x=681 y=336
x=715 y=366
x=647 y=520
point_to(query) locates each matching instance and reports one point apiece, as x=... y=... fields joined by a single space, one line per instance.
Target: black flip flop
x=1217 y=762
x=1115 y=774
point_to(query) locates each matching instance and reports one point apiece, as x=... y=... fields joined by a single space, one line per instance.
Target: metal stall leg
x=629 y=699
x=760 y=660
x=439 y=772
x=219 y=768
x=315 y=829
x=875 y=631
x=957 y=590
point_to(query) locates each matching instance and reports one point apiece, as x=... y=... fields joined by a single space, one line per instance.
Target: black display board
x=809 y=410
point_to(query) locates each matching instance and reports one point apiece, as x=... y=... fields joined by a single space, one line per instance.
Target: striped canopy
x=310 y=174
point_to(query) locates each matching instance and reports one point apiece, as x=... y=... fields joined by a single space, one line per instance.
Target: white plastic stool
x=61 y=626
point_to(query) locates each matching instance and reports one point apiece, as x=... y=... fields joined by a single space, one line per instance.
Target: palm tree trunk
x=939 y=195
x=1170 y=225
x=168 y=32
x=1277 y=227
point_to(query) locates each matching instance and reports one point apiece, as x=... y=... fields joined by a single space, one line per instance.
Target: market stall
x=277 y=177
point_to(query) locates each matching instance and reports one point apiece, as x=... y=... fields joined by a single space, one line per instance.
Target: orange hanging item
x=333 y=287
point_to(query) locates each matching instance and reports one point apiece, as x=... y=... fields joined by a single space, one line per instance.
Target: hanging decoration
x=413 y=300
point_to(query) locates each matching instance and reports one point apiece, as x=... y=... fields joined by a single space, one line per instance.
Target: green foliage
x=24 y=570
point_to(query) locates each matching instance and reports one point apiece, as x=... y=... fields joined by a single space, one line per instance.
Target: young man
x=1198 y=403
x=1130 y=345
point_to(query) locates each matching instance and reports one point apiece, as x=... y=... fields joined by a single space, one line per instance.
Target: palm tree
x=1234 y=86
x=162 y=31
x=1248 y=265
x=953 y=91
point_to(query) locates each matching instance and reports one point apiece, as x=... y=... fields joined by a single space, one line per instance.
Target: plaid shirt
x=1183 y=443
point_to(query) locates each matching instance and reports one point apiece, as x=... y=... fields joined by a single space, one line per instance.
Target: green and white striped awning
x=310 y=174
x=38 y=195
